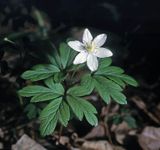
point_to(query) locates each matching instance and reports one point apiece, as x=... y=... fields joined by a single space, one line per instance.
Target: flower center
x=90 y=47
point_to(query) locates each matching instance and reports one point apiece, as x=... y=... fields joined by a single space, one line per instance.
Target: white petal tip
x=86 y=29
x=110 y=54
x=100 y=39
x=104 y=35
x=93 y=70
x=68 y=43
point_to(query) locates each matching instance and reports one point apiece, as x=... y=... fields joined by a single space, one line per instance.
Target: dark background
x=136 y=21
x=134 y=26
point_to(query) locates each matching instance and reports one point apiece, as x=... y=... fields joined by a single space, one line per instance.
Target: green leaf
x=87 y=106
x=64 y=113
x=56 y=55
x=116 y=74
x=33 y=90
x=130 y=121
x=49 y=82
x=73 y=103
x=71 y=58
x=89 y=112
x=119 y=97
x=59 y=77
x=117 y=80
x=49 y=117
x=85 y=88
x=120 y=78
x=110 y=70
x=31 y=110
x=45 y=97
x=91 y=118
x=35 y=75
x=52 y=60
x=64 y=54
x=128 y=79
x=57 y=88
x=81 y=108
x=40 y=72
x=102 y=91
x=106 y=88
x=105 y=62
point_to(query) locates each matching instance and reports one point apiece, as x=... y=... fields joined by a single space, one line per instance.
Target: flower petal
x=87 y=37
x=103 y=52
x=76 y=45
x=99 y=40
x=80 y=58
x=92 y=62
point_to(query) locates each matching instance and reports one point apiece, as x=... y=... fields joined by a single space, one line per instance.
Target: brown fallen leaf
x=99 y=145
x=118 y=148
x=64 y=140
x=121 y=131
x=96 y=145
x=26 y=143
x=149 y=139
x=98 y=131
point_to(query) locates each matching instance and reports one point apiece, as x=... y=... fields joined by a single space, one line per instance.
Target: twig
x=106 y=125
x=60 y=133
x=141 y=105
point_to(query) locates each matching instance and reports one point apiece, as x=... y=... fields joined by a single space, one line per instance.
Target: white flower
x=90 y=49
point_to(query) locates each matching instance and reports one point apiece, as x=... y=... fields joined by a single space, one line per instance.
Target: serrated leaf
x=110 y=70
x=86 y=105
x=44 y=97
x=71 y=58
x=49 y=82
x=64 y=54
x=128 y=79
x=41 y=93
x=52 y=60
x=35 y=76
x=59 y=77
x=56 y=55
x=64 y=113
x=49 y=117
x=33 y=90
x=40 y=72
x=121 y=79
x=106 y=88
x=81 y=108
x=117 y=80
x=75 y=107
x=102 y=91
x=105 y=62
x=85 y=88
x=91 y=118
x=89 y=112
x=119 y=97
x=57 y=88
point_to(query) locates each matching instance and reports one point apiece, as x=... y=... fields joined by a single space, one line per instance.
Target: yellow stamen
x=90 y=47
